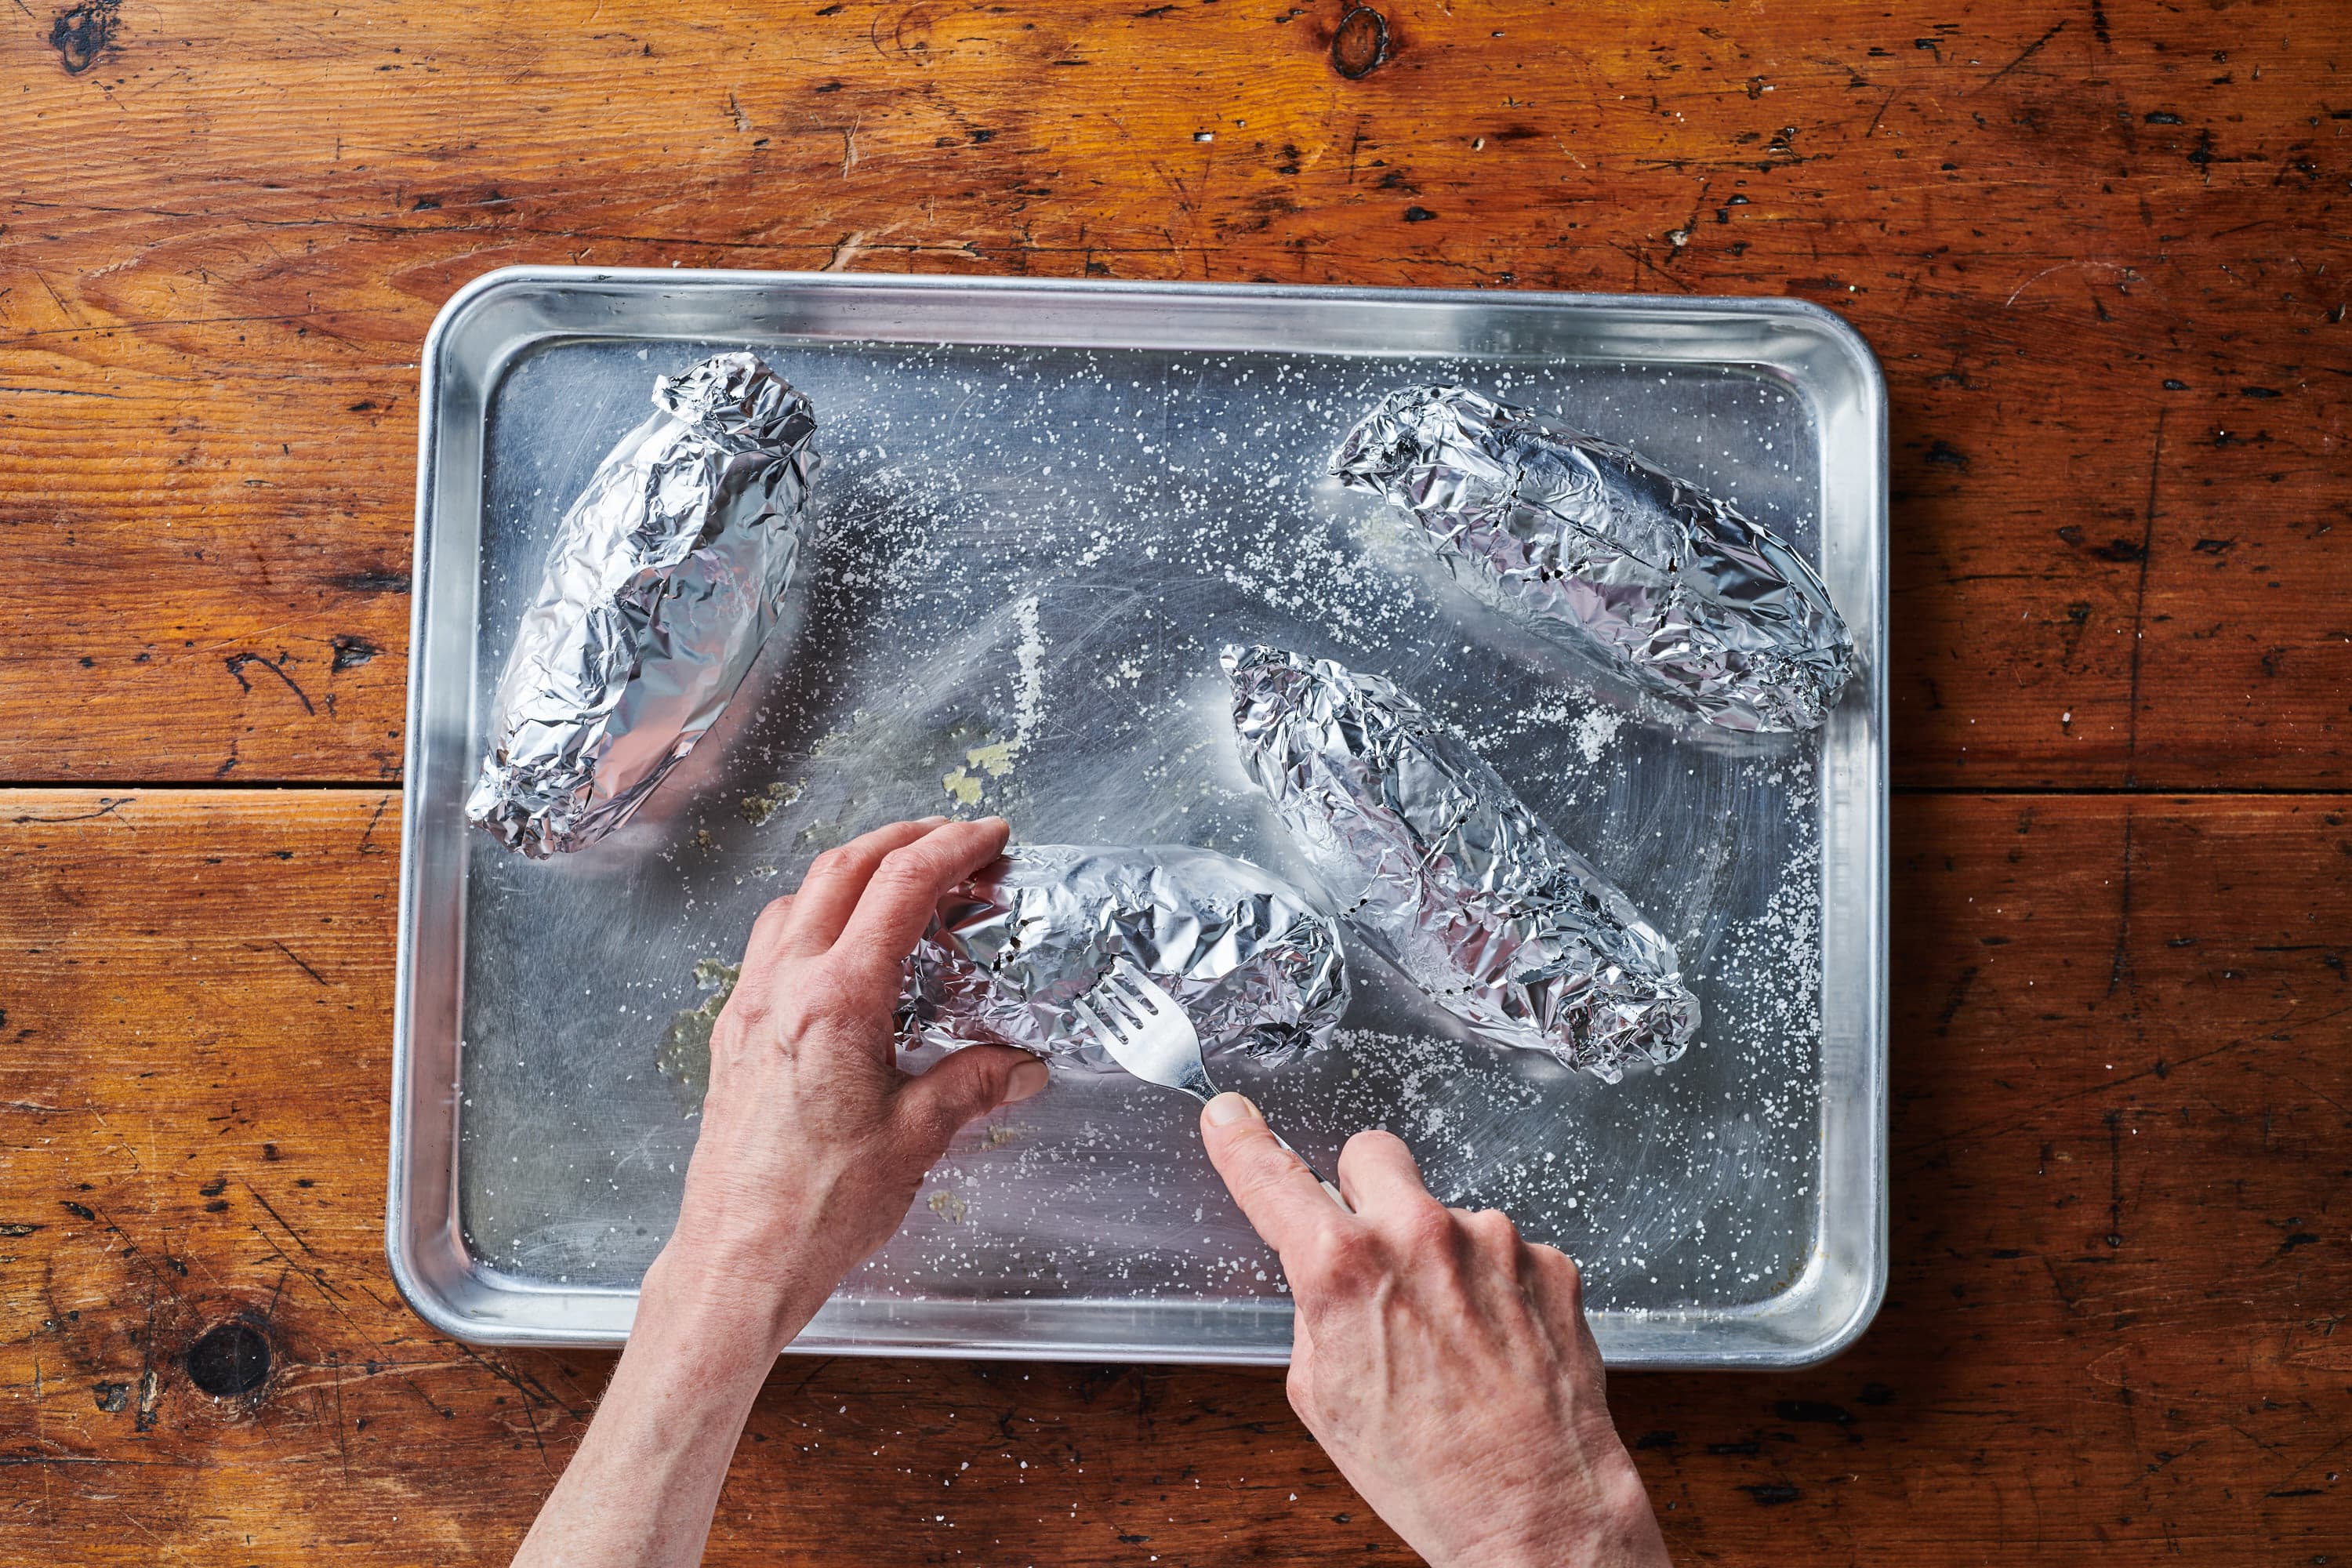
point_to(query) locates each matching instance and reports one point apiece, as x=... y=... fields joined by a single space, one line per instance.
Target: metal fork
x=1147 y=1033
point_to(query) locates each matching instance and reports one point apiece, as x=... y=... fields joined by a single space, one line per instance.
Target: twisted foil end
x=1383 y=452
x=737 y=403
x=1427 y=853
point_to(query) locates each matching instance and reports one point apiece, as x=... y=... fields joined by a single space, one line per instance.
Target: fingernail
x=1229 y=1108
x=1026 y=1079
x=928 y=821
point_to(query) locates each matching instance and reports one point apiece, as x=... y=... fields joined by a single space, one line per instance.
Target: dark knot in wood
x=81 y=35
x=230 y=1361
x=1360 y=43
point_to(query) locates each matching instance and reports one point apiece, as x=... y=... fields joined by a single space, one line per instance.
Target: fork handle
x=1311 y=1171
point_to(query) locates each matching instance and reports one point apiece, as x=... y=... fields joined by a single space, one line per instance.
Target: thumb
x=968 y=1083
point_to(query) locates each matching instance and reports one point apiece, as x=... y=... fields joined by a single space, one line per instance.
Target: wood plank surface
x=2115 y=1329
x=2099 y=248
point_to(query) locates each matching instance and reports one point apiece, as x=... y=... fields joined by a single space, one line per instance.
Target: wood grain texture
x=2099 y=249
x=2115 y=1326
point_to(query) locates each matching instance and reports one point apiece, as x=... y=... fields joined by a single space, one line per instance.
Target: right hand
x=1443 y=1363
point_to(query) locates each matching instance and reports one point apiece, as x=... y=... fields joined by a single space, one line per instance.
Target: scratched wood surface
x=2100 y=249
x=2120 y=1258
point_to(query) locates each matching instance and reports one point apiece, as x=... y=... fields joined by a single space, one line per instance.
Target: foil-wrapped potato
x=1592 y=547
x=666 y=576
x=1254 y=965
x=1440 y=869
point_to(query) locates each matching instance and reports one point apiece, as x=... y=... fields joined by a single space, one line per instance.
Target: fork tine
x=1140 y=1005
x=1093 y=1020
x=1133 y=987
x=1148 y=1030
x=1113 y=998
x=1119 y=987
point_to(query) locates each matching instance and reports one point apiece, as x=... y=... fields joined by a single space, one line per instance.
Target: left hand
x=814 y=1141
x=812 y=1145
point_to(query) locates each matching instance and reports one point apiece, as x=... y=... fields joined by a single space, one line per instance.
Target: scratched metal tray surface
x=1044 y=507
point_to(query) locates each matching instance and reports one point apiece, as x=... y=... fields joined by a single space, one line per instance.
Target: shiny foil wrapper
x=666 y=576
x=1254 y=965
x=1424 y=850
x=1594 y=548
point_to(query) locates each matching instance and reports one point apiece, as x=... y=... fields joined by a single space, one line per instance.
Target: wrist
x=1614 y=1526
x=1626 y=1535
x=726 y=1299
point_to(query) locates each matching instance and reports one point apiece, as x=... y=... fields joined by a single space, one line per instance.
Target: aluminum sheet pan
x=1044 y=506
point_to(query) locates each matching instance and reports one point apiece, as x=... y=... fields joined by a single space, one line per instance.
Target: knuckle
x=1561 y=1272
x=1308 y=1264
x=974 y=1090
x=1298 y=1387
x=752 y=999
x=1425 y=1227
x=1345 y=1257
x=1259 y=1181
x=1376 y=1144
x=928 y=1126
x=908 y=865
x=1261 y=1174
x=1492 y=1230
x=829 y=864
x=896 y=882
x=726 y=1038
x=767 y=935
x=832 y=1000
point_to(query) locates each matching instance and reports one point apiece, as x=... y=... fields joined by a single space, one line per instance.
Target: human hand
x=812 y=1145
x=814 y=1141
x=1443 y=1363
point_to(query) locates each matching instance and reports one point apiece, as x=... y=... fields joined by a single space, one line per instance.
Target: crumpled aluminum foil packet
x=1427 y=853
x=1592 y=547
x=666 y=576
x=1254 y=965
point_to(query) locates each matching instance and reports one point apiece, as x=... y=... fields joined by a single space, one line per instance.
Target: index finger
x=905 y=889
x=1278 y=1193
x=836 y=879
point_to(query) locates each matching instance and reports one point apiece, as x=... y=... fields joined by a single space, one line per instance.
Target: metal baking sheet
x=1046 y=505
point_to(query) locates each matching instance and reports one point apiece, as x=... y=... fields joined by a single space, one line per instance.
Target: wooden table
x=2102 y=251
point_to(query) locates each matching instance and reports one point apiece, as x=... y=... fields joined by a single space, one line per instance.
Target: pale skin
x=1443 y=1362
